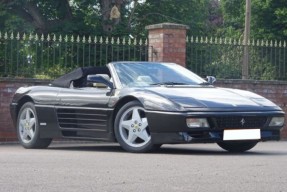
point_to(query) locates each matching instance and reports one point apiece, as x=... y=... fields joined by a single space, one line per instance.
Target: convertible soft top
x=78 y=76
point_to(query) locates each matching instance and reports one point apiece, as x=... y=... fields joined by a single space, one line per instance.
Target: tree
x=67 y=16
x=193 y=13
x=106 y=17
x=268 y=20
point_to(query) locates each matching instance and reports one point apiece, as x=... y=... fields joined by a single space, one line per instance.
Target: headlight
x=197 y=122
x=276 y=121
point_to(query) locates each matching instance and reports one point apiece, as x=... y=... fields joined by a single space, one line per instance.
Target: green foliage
x=193 y=13
x=268 y=19
x=228 y=64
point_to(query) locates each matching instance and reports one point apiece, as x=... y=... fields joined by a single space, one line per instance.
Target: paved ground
x=106 y=167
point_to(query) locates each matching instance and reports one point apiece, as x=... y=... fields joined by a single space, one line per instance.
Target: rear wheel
x=28 y=128
x=132 y=130
x=237 y=146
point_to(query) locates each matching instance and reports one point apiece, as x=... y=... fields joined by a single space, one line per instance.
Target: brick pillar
x=167 y=42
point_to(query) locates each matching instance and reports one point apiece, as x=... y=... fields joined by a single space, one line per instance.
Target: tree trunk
x=106 y=7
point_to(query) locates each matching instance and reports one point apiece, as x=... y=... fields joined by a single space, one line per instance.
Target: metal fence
x=223 y=58
x=49 y=56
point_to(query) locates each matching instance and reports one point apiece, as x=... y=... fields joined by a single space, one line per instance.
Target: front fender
x=155 y=102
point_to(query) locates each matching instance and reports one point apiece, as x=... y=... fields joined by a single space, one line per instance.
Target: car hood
x=212 y=97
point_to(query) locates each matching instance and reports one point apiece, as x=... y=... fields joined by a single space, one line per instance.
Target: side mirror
x=210 y=79
x=101 y=79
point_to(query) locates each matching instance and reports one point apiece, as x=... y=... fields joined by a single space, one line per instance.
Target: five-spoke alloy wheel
x=131 y=128
x=28 y=128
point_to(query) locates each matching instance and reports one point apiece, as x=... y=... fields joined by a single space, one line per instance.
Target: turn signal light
x=197 y=122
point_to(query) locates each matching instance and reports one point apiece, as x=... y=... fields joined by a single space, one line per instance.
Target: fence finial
x=12 y=36
x=225 y=41
x=266 y=43
x=48 y=38
x=66 y=39
x=36 y=37
x=262 y=43
x=54 y=38
x=18 y=36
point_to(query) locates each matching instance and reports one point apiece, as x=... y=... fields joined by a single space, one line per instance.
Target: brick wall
x=273 y=90
x=168 y=42
x=7 y=89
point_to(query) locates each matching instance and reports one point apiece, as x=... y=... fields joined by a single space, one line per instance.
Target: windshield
x=152 y=74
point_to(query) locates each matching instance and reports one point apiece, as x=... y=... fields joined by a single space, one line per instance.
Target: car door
x=84 y=112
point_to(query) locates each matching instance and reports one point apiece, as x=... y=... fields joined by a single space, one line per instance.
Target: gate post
x=167 y=42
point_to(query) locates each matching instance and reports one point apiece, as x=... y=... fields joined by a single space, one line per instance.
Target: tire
x=28 y=128
x=237 y=146
x=132 y=130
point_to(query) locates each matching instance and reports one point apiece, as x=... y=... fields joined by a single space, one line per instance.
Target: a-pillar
x=167 y=42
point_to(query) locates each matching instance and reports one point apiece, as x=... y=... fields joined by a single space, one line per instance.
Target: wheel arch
x=21 y=102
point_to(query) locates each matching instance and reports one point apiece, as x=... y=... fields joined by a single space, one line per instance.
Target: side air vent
x=81 y=118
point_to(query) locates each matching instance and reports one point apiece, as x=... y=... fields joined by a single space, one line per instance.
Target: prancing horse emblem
x=242 y=121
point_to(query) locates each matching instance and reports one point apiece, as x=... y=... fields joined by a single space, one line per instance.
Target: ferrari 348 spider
x=142 y=105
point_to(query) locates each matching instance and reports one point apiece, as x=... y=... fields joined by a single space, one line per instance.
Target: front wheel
x=131 y=128
x=237 y=146
x=28 y=129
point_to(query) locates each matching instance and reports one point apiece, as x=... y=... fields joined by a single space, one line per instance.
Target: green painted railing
x=223 y=58
x=48 y=56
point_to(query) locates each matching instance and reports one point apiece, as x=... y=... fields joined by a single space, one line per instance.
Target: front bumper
x=170 y=127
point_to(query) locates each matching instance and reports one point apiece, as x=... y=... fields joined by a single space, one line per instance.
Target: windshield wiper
x=168 y=83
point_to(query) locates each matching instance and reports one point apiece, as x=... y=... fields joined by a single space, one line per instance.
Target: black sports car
x=143 y=105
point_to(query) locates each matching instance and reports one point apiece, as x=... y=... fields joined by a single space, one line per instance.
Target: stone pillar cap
x=167 y=26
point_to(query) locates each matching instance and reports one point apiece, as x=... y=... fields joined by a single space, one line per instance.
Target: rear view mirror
x=210 y=79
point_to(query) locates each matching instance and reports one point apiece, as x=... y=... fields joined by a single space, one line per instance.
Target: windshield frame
x=188 y=78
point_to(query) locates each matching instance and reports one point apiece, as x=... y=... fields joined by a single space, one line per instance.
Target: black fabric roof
x=79 y=76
